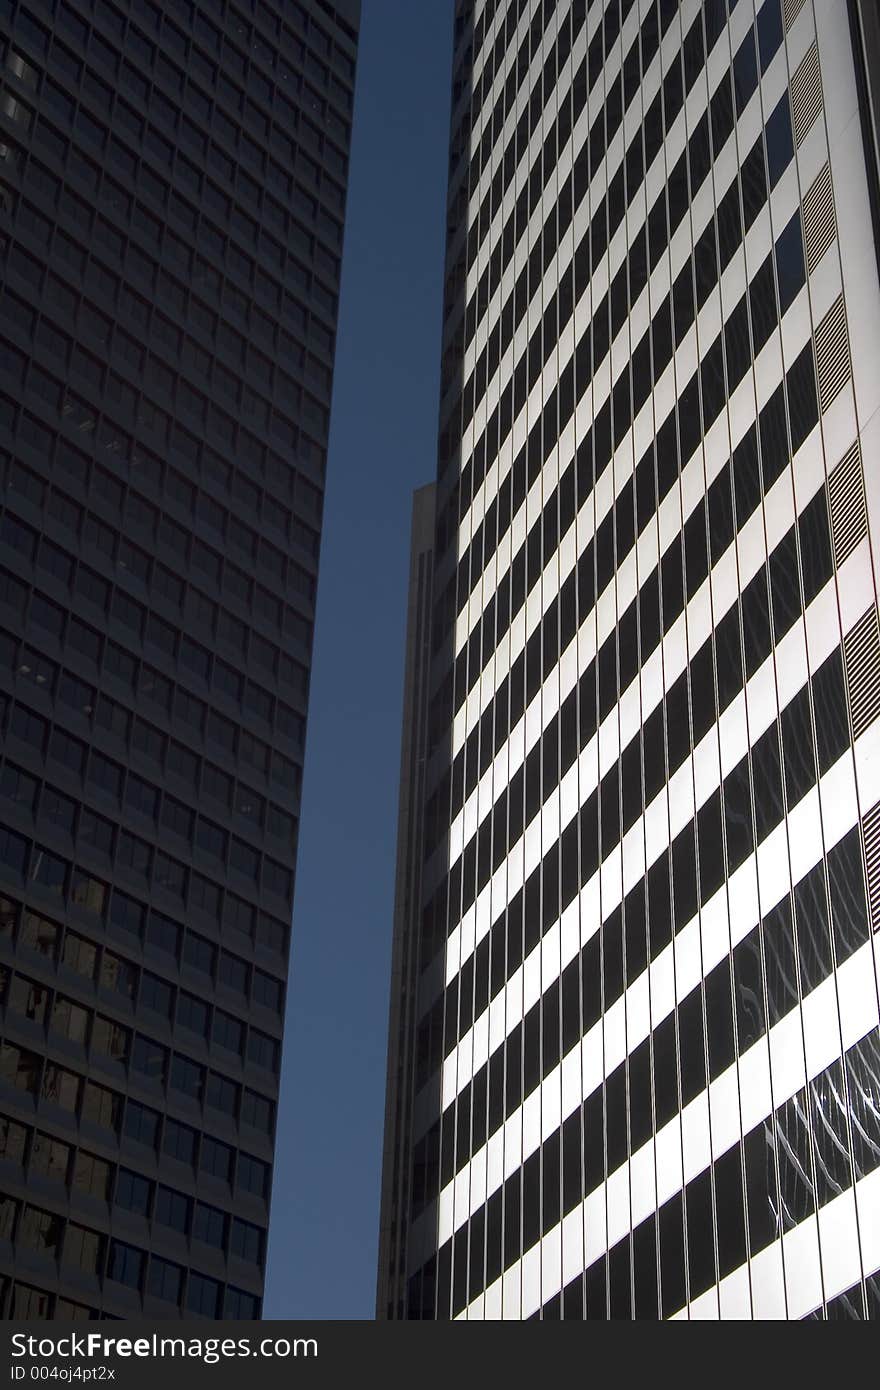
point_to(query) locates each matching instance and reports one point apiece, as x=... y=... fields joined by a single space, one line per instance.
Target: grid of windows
x=643 y=1076
x=172 y=195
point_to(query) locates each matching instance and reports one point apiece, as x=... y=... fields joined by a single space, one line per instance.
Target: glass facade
x=172 y=192
x=644 y=1077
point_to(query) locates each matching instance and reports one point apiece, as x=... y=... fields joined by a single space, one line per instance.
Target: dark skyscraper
x=645 y=1070
x=172 y=191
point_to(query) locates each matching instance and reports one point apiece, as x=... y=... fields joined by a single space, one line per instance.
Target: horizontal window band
x=679 y=434
x=696 y=161
x=656 y=607
x=533 y=1199
x=753 y=472
x=723 y=366
x=687 y=62
x=587 y=165
x=493 y=965
x=671 y=323
x=642 y=259
x=536 y=178
x=789 y=953
x=726 y=831
x=785 y=1170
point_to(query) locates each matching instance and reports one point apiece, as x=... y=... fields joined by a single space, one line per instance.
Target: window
x=68 y=751
x=267 y=991
x=133 y=1192
x=221 y=1094
x=209 y=1225
x=188 y=1078
x=105 y=776
x=150 y=1059
x=777 y=133
x=164 y=1280
x=37 y=668
x=252 y=1175
x=246 y=1241
x=216 y=1158
x=277 y=879
x=48 y=871
x=257 y=1111
x=13 y=1140
x=202 y=1295
x=228 y=1032
x=13 y=851
x=127 y=914
x=89 y=894
x=234 y=974
x=76 y=694
x=204 y=896
x=28 y=999
x=29 y=1303
x=83 y=1249
x=50 y=1157
x=110 y=1039
x=125 y=1264
x=177 y=818
x=190 y=710
x=156 y=995
x=113 y=717
x=244 y=860
x=41 y=1230
x=18 y=788
x=184 y=764
x=273 y=935
x=170 y=876
x=239 y=916
x=119 y=976
x=80 y=955
x=211 y=839
x=91 y=1176
x=133 y=854
x=262 y=1050
x=140 y=796
x=37 y=933
x=254 y=753
x=179 y=1142
x=141 y=1124
x=192 y=1014
x=240 y=1304
x=101 y=1106
x=70 y=1020
x=8 y=1213
x=222 y=732
x=217 y=784
x=172 y=1209
x=199 y=954
x=21 y=1069
x=155 y=687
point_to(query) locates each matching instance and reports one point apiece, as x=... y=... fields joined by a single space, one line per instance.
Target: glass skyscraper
x=644 y=1075
x=172 y=191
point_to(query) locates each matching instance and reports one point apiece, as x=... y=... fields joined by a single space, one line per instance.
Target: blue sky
x=325 y=1206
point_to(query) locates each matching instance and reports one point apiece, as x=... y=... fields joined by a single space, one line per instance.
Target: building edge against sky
x=407 y=900
x=172 y=196
x=644 y=1078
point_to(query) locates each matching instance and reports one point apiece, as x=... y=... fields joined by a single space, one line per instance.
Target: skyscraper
x=172 y=191
x=646 y=1063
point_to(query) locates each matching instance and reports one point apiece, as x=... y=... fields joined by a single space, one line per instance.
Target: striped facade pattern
x=647 y=1064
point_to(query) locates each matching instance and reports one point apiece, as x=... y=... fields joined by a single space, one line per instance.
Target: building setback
x=172 y=192
x=407 y=901
x=645 y=1076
